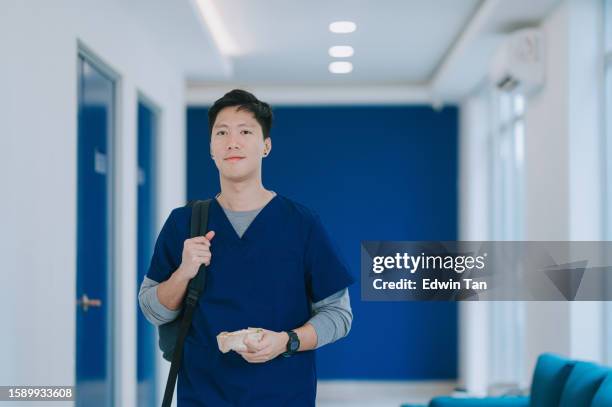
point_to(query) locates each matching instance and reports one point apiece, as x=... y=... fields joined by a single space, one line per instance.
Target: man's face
x=237 y=144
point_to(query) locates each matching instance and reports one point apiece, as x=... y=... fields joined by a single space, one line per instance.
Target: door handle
x=85 y=302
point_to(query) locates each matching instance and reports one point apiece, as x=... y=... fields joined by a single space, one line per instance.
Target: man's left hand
x=270 y=346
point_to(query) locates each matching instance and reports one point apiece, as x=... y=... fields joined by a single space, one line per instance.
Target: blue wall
x=372 y=173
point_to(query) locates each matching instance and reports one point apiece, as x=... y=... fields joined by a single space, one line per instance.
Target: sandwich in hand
x=235 y=340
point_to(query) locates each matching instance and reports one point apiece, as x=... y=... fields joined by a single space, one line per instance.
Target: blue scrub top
x=264 y=279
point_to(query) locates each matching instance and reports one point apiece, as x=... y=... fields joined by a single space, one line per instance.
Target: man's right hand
x=196 y=251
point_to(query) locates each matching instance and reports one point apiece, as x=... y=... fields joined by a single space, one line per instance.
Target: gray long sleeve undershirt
x=331 y=317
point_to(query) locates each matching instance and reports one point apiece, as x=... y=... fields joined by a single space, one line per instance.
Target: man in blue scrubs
x=271 y=265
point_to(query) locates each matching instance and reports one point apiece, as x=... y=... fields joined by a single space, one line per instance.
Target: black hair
x=245 y=101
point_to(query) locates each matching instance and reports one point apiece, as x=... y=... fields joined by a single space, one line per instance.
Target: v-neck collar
x=229 y=225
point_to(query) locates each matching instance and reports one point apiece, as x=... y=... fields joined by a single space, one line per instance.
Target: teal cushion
x=582 y=384
x=603 y=397
x=510 y=401
x=549 y=378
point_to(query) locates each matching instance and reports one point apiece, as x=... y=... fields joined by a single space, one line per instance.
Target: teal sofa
x=557 y=382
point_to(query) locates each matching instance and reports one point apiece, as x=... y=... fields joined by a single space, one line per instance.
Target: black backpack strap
x=199 y=226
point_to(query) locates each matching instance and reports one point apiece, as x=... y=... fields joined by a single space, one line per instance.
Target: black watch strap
x=293 y=344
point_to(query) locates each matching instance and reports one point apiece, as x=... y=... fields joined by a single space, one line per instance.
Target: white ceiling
x=287 y=41
x=405 y=50
x=177 y=31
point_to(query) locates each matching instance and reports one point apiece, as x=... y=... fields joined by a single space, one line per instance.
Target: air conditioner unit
x=518 y=63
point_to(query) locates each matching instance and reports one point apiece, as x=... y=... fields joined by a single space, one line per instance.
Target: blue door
x=146 y=344
x=94 y=355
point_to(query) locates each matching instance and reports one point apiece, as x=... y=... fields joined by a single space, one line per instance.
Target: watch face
x=294 y=346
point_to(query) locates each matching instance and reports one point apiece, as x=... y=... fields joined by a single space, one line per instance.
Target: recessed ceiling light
x=341 y=51
x=340 y=67
x=342 y=27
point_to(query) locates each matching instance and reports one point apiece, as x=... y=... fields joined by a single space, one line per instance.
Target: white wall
x=563 y=172
x=563 y=185
x=38 y=161
x=547 y=184
x=473 y=215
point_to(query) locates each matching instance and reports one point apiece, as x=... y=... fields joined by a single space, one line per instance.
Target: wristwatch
x=293 y=344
